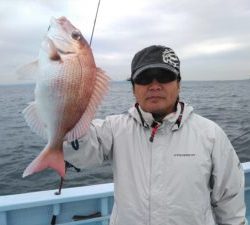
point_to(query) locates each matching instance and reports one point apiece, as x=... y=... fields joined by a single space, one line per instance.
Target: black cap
x=155 y=56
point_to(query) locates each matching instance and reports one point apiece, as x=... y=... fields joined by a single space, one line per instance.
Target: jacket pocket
x=179 y=214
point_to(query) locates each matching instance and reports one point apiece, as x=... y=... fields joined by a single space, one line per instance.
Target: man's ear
x=179 y=86
x=133 y=87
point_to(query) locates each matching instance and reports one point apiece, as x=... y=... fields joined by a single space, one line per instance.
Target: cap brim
x=151 y=66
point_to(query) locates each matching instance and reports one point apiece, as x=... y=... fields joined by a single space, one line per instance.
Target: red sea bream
x=69 y=88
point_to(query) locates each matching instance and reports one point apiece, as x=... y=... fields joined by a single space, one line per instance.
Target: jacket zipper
x=155 y=125
x=150 y=182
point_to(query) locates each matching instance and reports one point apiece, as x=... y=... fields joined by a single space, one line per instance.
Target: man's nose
x=155 y=85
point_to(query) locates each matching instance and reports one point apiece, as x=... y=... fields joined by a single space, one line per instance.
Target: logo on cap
x=169 y=57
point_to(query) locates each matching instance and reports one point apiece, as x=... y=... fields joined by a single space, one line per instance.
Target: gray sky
x=211 y=38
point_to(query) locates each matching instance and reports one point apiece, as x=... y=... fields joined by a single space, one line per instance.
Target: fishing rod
x=93 y=29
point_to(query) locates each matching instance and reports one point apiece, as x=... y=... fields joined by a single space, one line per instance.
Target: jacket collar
x=170 y=118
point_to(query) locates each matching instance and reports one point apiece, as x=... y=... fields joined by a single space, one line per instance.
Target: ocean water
x=225 y=102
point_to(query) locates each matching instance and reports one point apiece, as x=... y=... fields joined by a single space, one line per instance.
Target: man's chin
x=158 y=111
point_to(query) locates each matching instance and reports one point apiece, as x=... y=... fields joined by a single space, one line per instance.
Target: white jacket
x=189 y=175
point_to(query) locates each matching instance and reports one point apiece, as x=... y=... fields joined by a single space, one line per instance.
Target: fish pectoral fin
x=48 y=158
x=100 y=89
x=34 y=121
x=28 y=72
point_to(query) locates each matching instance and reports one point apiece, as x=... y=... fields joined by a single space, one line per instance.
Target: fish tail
x=48 y=158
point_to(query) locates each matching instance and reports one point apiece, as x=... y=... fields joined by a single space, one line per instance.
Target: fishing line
x=93 y=29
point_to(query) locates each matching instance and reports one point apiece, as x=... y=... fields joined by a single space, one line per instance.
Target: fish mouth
x=61 y=51
x=62 y=42
x=65 y=36
x=65 y=28
x=58 y=21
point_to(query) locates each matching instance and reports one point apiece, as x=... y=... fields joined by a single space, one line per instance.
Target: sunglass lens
x=161 y=75
x=144 y=79
x=165 y=77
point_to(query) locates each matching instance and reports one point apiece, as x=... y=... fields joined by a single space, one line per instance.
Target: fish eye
x=76 y=35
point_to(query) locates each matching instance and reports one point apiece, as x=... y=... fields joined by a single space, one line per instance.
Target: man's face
x=157 y=98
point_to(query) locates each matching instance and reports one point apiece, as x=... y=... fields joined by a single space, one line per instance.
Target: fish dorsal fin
x=100 y=89
x=33 y=120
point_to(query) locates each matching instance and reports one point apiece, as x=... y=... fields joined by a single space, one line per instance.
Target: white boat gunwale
x=43 y=198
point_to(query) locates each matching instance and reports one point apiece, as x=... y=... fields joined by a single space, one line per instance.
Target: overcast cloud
x=211 y=38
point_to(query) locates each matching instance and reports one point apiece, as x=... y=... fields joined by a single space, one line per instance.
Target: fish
x=69 y=88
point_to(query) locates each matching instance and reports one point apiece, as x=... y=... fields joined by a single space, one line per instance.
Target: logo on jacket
x=184 y=155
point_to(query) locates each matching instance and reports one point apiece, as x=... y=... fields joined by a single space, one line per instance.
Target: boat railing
x=75 y=206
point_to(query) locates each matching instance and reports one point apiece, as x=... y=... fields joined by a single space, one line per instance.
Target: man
x=171 y=166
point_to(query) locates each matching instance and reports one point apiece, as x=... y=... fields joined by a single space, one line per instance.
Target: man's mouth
x=154 y=97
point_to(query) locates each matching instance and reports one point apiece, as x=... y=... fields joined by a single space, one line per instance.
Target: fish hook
x=61 y=182
x=67 y=165
x=60 y=187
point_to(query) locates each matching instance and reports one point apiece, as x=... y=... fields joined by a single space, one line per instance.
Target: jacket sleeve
x=227 y=183
x=94 y=146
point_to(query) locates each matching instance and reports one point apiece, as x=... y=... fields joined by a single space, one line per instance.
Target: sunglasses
x=161 y=75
